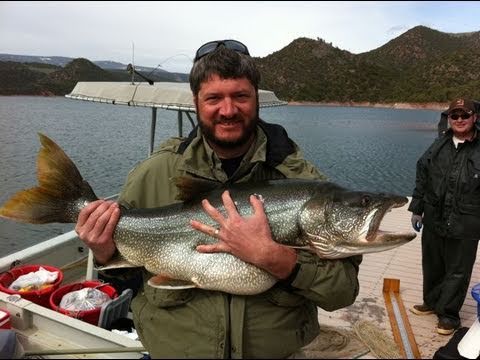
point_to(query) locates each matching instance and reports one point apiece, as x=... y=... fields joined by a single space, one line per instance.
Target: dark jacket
x=447 y=189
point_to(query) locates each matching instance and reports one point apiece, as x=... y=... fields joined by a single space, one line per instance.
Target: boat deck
x=403 y=263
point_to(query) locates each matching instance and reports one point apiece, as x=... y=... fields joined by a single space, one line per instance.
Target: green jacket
x=195 y=323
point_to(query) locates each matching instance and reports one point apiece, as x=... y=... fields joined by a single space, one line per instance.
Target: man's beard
x=209 y=133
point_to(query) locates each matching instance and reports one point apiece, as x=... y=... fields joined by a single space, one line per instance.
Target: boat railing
x=69 y=252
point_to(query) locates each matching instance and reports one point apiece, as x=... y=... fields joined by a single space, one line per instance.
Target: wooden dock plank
x=403 y=263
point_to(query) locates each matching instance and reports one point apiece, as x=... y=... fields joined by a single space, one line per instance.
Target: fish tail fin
x=61 y=192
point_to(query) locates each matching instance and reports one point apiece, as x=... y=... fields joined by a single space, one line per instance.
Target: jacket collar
x=200 y=160
x=449 y=134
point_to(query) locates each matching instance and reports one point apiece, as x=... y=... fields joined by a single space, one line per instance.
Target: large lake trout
x=319 y=216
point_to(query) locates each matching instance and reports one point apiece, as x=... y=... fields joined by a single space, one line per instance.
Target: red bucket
x=89 y=316
x=4 y=319
x=40 y=297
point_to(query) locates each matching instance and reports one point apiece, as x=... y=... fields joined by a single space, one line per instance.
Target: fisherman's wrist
x=304 y=273
x=287 y=282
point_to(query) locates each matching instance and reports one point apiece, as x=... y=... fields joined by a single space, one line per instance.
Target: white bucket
x=469 y=346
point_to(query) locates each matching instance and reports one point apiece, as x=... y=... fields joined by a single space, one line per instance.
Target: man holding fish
x=237 y=273
x=230 y=145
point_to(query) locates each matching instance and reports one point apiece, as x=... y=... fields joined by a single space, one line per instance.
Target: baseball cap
x=462 y=104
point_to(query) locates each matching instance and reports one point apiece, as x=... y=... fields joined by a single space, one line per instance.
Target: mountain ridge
x=422 y=65
x=64 y=60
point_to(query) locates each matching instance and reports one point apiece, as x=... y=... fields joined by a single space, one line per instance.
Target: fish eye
x=366 y=200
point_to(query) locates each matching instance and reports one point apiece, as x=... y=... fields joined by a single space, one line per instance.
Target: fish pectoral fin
x=118 y=262
x=164 y=282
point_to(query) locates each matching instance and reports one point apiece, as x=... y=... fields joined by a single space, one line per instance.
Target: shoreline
x=435 y=106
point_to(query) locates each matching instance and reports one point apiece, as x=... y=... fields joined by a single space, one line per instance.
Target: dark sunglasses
x=212 y=45
x=464 y=116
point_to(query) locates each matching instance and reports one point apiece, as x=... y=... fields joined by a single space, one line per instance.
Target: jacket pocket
x=281 y=297
x=166 y=298
x=469 y=209
x=431 y=199
x=467 y=222
x=431 y=211
x=472 y=191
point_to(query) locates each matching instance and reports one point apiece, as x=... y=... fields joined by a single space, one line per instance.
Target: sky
x=166 y=34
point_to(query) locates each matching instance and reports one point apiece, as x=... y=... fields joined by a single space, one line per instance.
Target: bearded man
x=229 y=145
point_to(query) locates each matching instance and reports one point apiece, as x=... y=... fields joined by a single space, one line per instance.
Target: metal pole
x=133 y=63
x=90 y=266
x=190 y=118
x=152 y=130
x=180 y=123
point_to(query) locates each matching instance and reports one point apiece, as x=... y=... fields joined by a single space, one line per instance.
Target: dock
x=403 y=263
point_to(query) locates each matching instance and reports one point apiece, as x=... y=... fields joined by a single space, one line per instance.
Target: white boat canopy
x=164 y=95
x=161 y=95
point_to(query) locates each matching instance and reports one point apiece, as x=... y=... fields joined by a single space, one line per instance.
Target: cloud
x=169 y=32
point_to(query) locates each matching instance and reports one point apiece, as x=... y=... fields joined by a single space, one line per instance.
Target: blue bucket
x=476 y=296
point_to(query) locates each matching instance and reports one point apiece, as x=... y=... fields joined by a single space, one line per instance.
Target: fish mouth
x=375 y=235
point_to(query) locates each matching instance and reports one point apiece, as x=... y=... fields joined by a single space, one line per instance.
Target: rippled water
x=360 y=148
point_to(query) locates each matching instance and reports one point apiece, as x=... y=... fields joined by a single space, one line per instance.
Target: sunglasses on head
x=212 y=45
x=464 y=116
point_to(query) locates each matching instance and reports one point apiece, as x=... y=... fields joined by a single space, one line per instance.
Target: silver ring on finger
x=216 y=232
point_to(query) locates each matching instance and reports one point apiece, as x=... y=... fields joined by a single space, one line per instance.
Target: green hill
x=44 y=79
x=313 y=70
x=421 y=65
x=18 y=79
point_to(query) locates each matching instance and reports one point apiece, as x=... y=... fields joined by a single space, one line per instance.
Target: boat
x=45 y=333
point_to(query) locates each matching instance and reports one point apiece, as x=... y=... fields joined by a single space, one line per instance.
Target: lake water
x=360 y=148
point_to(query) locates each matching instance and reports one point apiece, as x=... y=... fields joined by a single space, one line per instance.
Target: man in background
x=446 y=201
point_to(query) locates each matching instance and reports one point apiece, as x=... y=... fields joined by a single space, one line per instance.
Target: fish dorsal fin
x=164 y=282
x=190 y=188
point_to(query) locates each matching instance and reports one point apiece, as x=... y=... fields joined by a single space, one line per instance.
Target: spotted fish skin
x=166 y=233
x=318 y=216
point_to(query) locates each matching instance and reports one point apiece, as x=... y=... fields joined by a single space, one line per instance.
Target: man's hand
x=417 y=222
x=248 y=238
x=95 y=225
